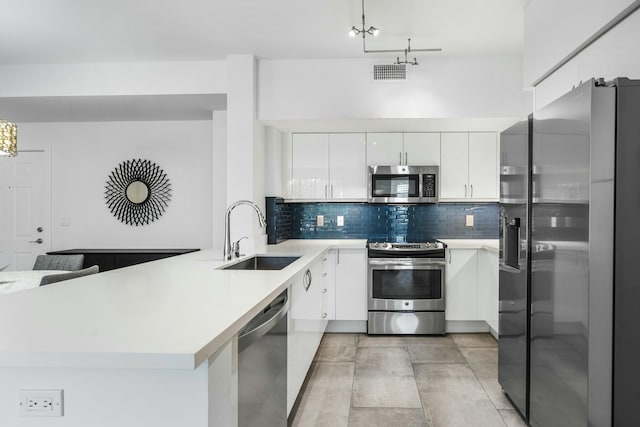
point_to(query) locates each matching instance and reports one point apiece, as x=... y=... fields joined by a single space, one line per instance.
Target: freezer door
x=571 y=242
x=513 y=310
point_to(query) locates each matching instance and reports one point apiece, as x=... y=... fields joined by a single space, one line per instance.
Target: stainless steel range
x=406 y=288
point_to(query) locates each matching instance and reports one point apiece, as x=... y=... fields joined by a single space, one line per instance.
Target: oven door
x=407 y=284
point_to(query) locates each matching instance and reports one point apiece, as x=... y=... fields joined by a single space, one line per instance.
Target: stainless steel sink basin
x=259 y=262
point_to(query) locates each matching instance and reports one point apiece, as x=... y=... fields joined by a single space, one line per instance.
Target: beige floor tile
x=452 y=396
x=484 y=363
x=384 y=378
x=435 y=353
x=326 y=397
x=384 y=417
x=336 y=353
x=429 y=339
x=512 y=418
x=339 y=339
x=474 y=340
x=381 y=341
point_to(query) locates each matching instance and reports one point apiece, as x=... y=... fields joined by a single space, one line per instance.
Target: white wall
x=477 y=86
x=613 y=55
x=83 y=156
x=140 y=78
x=552 y=29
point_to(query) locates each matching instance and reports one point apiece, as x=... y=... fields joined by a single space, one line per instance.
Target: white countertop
x=167 y=314
x=491 y=245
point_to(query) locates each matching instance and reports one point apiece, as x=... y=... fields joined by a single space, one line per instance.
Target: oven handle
x=413 y=261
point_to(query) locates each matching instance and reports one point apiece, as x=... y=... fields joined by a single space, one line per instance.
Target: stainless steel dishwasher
x=262 y=367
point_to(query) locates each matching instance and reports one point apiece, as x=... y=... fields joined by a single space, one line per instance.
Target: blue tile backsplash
x=377 y=222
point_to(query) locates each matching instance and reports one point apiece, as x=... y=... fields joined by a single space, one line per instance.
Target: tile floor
x=360 y=380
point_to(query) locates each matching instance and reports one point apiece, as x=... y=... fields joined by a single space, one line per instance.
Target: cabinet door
x=461 y=284
x=384 y=149
x=483 y=166
x=454 y=165
x=310 y=166
x=488 y=288
x=351 y=284
x=422 y=149
x=347 y=166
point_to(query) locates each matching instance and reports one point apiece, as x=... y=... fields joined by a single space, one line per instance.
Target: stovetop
x=407 y=247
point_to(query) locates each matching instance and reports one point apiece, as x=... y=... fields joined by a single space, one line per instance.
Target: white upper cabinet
x=469 y=166
x=419 y=148
x=385 y=149
x=422 y=148
x=310 y=166
x=347 y=167
x=454 y=166
x=328 y=166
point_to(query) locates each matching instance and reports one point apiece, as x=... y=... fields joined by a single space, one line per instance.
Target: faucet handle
x=235 y=247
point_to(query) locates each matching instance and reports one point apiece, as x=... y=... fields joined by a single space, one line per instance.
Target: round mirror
x=137 y=192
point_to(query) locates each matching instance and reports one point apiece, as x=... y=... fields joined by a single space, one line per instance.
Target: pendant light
x=8 y=139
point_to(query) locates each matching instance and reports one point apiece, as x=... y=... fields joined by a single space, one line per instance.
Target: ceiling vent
x=393 y=72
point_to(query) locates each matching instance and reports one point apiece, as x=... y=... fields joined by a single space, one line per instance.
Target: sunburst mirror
x=137 y=192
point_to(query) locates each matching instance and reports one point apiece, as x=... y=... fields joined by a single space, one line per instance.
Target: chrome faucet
x=228 y=253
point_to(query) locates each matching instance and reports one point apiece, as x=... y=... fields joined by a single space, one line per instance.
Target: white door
x=461 y=285
x=483 y=166
x=347 y=167
x=422 y=148
x=24 y=209
x=384 y=149
x=310 y=161
x=351 y=284
x=454 y=165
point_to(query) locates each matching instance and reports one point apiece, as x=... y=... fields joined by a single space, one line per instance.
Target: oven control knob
x=406 y=303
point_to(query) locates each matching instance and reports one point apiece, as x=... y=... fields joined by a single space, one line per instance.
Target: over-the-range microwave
x=403 y=184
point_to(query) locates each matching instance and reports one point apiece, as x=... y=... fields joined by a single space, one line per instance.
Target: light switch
x=320 y=220
x=340 y=221
x=469 y=221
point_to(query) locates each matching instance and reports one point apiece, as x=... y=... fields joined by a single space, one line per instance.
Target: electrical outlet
x=469 y=221
x=41 y=403
x=340 y=221
x=320 y=220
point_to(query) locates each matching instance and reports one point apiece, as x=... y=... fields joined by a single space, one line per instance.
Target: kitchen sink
x=260 y=262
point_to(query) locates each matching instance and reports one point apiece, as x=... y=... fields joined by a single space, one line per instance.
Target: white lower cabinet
x=306 y=324
x=488 y=288
x=461 y=284
x=350 y=278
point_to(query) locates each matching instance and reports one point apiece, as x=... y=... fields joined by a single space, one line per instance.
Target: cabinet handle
x=471 y=195
x=465 y=190
x=338 y=256
x=324 y=259
x=449 y=256
x=325 y=191
x=324 y=275
x=400 y=154
x=324 y=315
x=307 y=280
x=406 y=158
x=332 y=191
x=324 y=291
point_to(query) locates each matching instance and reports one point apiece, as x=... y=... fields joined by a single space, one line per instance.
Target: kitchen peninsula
x=151 y=344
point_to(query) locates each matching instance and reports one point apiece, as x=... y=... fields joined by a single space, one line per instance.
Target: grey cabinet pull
x=324 y=315
x=449 y=256
x=307 y=280
x=332 y=191
x=406 y=158
x=325 y=191
x=465 y=190
x=400 y=154
x=471 y=195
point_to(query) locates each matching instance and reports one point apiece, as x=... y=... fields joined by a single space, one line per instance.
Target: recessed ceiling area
x=71 y=31
x=111 y=108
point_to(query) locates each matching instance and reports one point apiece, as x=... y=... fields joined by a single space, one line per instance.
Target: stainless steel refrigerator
x=569 y=346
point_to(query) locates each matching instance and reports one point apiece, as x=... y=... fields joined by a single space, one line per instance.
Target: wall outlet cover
x=469 y=220
x=320 y=220
x=41 y=402
x=340 y=221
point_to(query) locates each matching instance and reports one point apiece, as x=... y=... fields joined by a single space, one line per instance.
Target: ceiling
x=73 y=31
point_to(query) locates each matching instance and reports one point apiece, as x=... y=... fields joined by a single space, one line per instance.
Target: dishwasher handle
x=250 y=337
